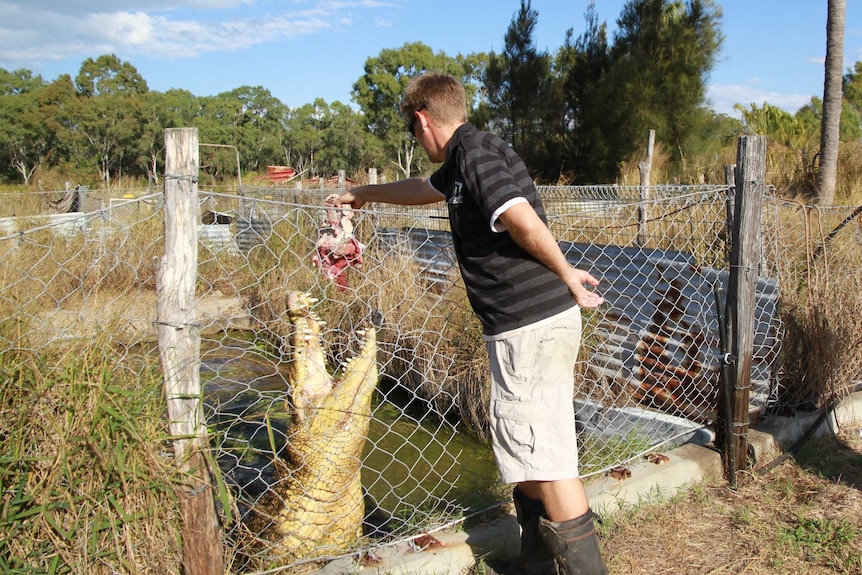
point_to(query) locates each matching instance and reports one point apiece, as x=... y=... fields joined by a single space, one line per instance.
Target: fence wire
x=647 y=376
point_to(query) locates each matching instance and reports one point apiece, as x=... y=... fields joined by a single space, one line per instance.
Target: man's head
x=441 y=95
x=437 y=100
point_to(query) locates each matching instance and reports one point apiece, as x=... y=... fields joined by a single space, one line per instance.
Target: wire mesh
x=646 y=378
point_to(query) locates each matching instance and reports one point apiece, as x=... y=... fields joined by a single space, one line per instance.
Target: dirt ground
x=804 y=516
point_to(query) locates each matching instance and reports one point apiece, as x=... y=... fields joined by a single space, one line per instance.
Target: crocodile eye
x=376 y=319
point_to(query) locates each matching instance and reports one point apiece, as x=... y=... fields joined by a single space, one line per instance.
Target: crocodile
x=315 y=505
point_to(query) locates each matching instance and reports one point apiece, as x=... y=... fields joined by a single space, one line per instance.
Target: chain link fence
x=649 y=365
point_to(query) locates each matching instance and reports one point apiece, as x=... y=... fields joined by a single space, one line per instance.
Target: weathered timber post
x=730 y=201
x=179 y=348
x=723 y=423
x=644 y=170
x=744 y=269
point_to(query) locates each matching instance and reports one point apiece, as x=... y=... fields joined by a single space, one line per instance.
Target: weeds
x=793 y=520
x=85 y=486
x=825 y=541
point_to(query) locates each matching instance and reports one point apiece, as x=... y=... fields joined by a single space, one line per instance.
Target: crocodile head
x=315 y=506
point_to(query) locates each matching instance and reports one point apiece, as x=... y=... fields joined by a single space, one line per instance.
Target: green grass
x=85 y=483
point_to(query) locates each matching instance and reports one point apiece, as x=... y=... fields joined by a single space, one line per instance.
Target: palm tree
x=832 y=96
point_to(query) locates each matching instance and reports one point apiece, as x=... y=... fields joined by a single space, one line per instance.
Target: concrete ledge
x=688 y=464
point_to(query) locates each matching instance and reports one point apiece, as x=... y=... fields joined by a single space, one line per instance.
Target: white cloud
x=724 y=97
x=36 y=31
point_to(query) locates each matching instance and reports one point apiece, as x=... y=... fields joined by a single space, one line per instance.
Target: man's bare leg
x=564 y=499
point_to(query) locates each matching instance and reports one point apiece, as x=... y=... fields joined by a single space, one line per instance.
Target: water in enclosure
x=415 y=470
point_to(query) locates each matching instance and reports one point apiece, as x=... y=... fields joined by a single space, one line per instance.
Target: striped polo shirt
x=508 y=288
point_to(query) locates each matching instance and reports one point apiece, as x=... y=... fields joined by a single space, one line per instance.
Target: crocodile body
x=315 y=507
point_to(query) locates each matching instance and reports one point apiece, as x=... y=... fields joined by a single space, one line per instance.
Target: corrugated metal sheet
x=657 y=335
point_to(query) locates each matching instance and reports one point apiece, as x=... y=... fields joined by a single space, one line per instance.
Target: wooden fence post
x=744 y=271
x=644 y=170
x=179 y=349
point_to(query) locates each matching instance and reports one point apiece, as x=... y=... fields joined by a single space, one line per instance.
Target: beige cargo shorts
x=532 y=413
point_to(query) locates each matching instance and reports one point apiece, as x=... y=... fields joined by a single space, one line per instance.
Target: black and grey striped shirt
x=508 y=288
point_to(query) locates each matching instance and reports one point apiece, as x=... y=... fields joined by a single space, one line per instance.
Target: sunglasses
x=412 y=127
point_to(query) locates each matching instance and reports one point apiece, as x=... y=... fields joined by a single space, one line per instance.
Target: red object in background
x=279 y=173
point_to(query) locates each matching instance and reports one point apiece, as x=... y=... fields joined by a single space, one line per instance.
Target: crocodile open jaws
x=315 y=506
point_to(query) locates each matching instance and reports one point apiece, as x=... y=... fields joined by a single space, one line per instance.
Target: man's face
x=421 y=129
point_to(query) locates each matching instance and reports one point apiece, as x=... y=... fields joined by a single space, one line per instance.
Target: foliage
x=378 y=93
x=517 y=84
x=659 y=62
x=83 y=485
x=579 y=114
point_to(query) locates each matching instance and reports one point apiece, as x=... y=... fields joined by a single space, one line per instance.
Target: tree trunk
x=832 y=98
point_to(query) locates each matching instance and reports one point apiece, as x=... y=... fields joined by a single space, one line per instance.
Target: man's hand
x=577 y=280
x=349 y=198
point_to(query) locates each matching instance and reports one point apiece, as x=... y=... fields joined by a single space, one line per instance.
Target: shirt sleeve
x=489 y=178
x=496 y=224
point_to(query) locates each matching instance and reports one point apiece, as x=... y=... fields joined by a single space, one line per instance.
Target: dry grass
x=821 y=292
x=804 y=516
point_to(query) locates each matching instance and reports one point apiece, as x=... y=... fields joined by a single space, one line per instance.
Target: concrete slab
x=460 y=548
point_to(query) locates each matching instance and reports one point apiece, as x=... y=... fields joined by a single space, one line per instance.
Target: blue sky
x=300 y=50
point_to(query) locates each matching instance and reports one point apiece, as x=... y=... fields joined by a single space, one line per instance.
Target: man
x=527 y=297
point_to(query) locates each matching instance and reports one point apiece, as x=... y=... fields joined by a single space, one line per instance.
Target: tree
x=18 y=82
x=171 y=109
x=378 y=94
x=248 y=118
x=107 y=74
x=346 y=144
x=656 y=77
x=832 y=98
x=109 y=114
x=520 y=92
x=22 y=138
x=853 y=88
x=581 y=65
x=304 y=137
x=58 y=105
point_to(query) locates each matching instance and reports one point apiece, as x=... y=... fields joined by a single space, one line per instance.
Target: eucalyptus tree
x=58 y=104
x=250 y=119
x=25 y=139
x=108 y=75
x=810 y=116
x=21 y=81
x=161 y=110
x=852 y=88
x=304 y=137
x=378 y=94
x=110 y=115
x=346 y=144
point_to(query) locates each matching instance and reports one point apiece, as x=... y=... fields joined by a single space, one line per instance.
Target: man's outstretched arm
x=409 y=192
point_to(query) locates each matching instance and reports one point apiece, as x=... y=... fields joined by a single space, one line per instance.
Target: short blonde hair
x=441 y=94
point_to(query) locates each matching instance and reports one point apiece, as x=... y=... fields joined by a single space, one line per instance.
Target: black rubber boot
x=574 y=545
x=535 y=557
